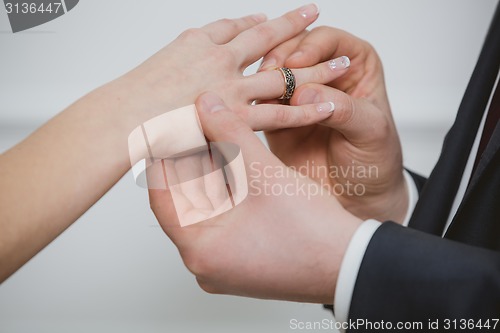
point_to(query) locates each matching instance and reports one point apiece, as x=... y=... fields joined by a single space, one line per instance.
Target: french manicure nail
x=340 y=63
x=310 y=10
x=325 y=107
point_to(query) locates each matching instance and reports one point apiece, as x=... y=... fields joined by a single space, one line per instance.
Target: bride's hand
x=214 y=58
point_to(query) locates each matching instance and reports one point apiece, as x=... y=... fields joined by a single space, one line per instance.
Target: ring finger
x=271 y=84
x=279 y=54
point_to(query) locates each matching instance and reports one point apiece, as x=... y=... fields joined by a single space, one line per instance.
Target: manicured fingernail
x=310 y=10
x=268 y=64
x=261 y=17
x=325 y=107
x=295 y=55
x=340 y=63
x=212 y=103
x=308 y=96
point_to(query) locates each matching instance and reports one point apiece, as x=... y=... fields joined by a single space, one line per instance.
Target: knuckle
x=291 y=19
x=206 y=286
x=322 y=29
x=196 y=262
x=321 y=74
x=346 y=107
x=282 y=116
x=303 y=117
x=312 y=50
x=232 y=128
x=230 y=25
x=192 y=33
x=249 y=21
x=265 y=32
x=367 y=45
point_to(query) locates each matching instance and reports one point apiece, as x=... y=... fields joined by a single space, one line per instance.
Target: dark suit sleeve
x=407 y=275
x=419 y=183
x=418 y=179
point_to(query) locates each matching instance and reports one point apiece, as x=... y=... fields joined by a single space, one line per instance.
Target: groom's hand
x=285 y=241
x=356 y=152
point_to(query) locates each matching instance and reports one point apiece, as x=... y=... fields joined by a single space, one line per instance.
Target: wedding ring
x=289 y=82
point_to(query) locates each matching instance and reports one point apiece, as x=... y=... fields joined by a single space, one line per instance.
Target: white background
x=114 y=270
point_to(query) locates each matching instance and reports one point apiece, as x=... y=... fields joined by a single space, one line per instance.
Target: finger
x=324 y=43
x=253 y=43
x=357 y=119
x=268 y=117
x=223 y=31
x=214 y=182
x=162 y=202
x=220 y=124
x=270 y=84
x=181 y=203
x=190 y=172
x=277 y=56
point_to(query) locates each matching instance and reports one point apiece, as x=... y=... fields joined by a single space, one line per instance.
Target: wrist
x=132 y=100
x=390 y=204
x=339 y=241
x=396 y=203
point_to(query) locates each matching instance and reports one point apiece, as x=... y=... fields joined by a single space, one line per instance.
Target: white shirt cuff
x=356 y=251
x=411 y=188
x=350 y=267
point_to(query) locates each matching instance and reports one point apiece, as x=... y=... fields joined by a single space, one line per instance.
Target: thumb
x=220 y=124
x=357 y=119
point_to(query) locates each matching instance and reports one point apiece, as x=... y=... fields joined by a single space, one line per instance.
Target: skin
x=361 y=129
x=291 y=247
x=52 y=177
x=286 y=247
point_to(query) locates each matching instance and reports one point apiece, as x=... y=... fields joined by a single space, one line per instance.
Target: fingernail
x=260 y=17
x=340 y=63
x=308 y=96
x=267 y=64
x=212 y=103
x=310 y=10
x=295 y=55
x=325 y=107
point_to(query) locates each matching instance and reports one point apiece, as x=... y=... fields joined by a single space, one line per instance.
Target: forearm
x=52 y=177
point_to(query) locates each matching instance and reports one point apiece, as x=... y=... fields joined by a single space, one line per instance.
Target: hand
x=355 y=152
x=214 y=58
x=96 y=127
x=286 y=247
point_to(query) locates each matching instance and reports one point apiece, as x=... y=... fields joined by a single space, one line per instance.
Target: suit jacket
x=413 y=274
